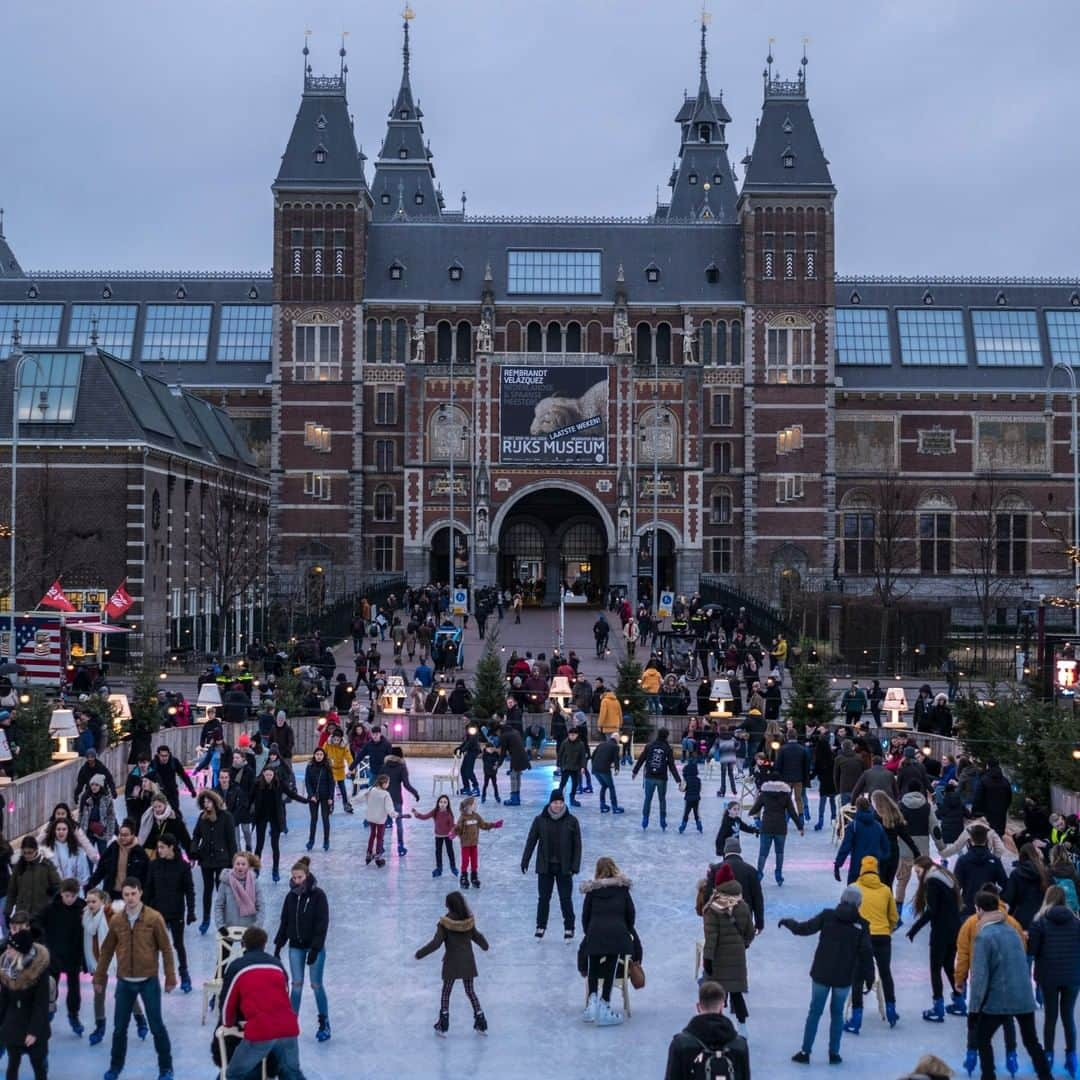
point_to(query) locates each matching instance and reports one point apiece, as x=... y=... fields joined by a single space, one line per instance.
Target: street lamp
x=1068 y=369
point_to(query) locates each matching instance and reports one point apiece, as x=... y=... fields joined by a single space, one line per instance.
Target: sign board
x=459 y=602
x=553 y=415
x=667 y=603
x=441 y=485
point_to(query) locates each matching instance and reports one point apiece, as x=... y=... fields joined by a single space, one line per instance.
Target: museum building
x=562 y=389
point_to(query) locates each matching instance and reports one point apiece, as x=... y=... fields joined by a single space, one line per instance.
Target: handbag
x=97 y=828
x=637 y=974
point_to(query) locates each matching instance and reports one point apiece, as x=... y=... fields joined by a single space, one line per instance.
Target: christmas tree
x=632 y=698
x=489 y=687
x=810 y=701
x=28 y=735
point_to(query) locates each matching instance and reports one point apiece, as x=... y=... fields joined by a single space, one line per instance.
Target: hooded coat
x=1054 y=942
x=607 y=916
x=1023 y=892
x=729 y=932
x=713 y=1031
x=24 y=1001
x=974 y=869
x=774 y=805
x=878 y=907
x=213 y=842
x=921 y=820
x=864 y=836
x=457 y=935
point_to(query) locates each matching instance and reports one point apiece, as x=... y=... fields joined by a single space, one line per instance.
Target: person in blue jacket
x=864 y=836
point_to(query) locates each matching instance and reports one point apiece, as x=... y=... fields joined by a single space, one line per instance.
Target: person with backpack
x=1063 y=874
x=658 y=760
x=1054 y=947
x=709 y=1047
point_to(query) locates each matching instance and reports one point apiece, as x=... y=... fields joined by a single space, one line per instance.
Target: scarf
x=165 y=813
x=555 y=815
x=10 y=967
x=244 y=892
x=724 y=903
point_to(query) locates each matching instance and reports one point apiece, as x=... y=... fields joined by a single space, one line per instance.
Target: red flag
x=119 y=602
x=55 y=598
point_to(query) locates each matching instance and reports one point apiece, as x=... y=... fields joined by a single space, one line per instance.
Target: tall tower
x=321 y=214
x=786 y=217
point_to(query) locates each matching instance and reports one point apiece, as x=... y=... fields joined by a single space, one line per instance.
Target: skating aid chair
x=221 y=1035
x=622 y=982
x=843 y=819
x=226 y=947
x=452 y=779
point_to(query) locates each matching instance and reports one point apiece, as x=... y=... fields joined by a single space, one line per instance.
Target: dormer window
x=403 y=114
x=717 y=178
x=692 y=178
x=704 y=133
x=788 y=159
x=384 y=198
x=403 y=152
x=397 y=271
x=652 y=273
x=321 y=122
x=456 y=272
x=320 y=155
x=418 y=198
x=712 y=273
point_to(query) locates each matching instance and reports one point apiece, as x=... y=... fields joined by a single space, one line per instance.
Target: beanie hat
x=723 y=873
x=732 y=846
x=580 y=718
x=909 y=751
x=91 y=752
x=21 y=941
x=869 y=865
x=851 y=895
x=556 y=796
x=98 y=778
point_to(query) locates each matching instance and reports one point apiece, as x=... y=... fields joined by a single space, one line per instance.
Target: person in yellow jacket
x=651 y=683
x=878 y=910
x=341 y=758
x=610 y=719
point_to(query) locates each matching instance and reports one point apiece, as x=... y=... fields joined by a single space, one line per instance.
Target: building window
x=789 y=439
x=316 y=353
x=317 y=437
x=722 y=559
x=789 y=355
x=384 y=503
x=768 y=255
x=712 y=274
x=1006 y=339
x=444 y=342
x=320 y=155
x=858 y=543
x=245 y=332
x=1012 y=544
x=652 y=274
x=455 y=273
x=317 y=485
x=573 y=337
x=115 y=326
x=382 y=554
x=464 y=342
x=371 y=346
x=384 y=455
x=643 y=343
x=385 y=406
x=722 y=415
x=721 y=509
x=736 y=343
x=722 y=457
x=721 y=343
x=788 y=488
x=1062 y=328
x=49 y=390
x=692 y=178
x=862 y=336
x=387 y=354
x=401 y=341
x=176 y=332
x=384 y=198
x=663 y=343
x=554 y=340
x=935 y=543
x=932 y=336
x=418 y=198
x=810 y=241
x=397 y=271
x=575 y=273
x=705 y=343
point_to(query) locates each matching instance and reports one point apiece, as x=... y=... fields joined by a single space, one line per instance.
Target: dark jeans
x=691 y=807
x=1059 y=999
x=607 y=786
x=988 y=1023
x=176 y=929
x=766 y=842
x=247 y=1056
x=942 y=959
x=440 y=843
x=660 y=787
x=275 y=839
x=468 y=774
x=727 y=776
x=822 y=799
x=494 y=782
x=570 y=775
x=341 y=791
x=819 y=994
x=314 y=809
x=545 y=883
x=882 y=946
x=602 y=971
x=74 y=995
x=126 y=995
x=209 y=884
x=38 y=1055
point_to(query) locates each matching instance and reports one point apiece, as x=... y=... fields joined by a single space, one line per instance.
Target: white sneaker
x=606 y=1016
x=591 y=1009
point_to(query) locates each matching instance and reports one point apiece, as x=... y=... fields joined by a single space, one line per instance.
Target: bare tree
x=894 y=551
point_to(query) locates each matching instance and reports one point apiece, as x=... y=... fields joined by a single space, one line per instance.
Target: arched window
x=464 y=342
x=663 y=343
x=705 y=342
x=534 y=338
x=401 y=345
x=736 y=344
x=789 y=350
x=371 y=349
x=554 y=338
x=384 y=503
x=386 y=354
x=513 y=336
x=643 y=352
x=721 y=342
x=594 y=338
x=573 y=337
x=444 y=342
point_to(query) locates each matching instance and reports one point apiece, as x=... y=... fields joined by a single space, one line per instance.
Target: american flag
x=38 y=654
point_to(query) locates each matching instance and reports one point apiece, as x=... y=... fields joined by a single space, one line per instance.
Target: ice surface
x=383 y=1002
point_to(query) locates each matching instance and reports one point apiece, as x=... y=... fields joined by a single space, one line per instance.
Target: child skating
x=379 y=807
x=733 y=824
x=691 y=785
x=444 y=833
x=468 y=828
x=457 y=931
x=490 y=759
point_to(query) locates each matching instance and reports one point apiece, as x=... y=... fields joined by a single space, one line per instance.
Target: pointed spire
x=343 y=68
x=703 y=87
x=306 y=52
x=406 y=17
x=1 y=223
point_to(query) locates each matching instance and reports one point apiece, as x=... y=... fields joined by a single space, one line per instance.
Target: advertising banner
x=553 y=415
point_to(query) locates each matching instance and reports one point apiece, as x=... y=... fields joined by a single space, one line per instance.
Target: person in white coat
x=380 y=809
x=62 y=848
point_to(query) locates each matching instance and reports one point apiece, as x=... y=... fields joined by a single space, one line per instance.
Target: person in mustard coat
x=650 y=683
x=610 y=719
x=341 y=760
x=878 y=910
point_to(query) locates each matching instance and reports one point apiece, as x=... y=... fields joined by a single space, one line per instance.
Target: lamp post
x=656 y=485
x=1068 y=369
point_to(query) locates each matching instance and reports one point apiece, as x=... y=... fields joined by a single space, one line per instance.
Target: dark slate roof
x=427 y=249
x=786 y=126
x=9 y=265
x=119 y=402
x=323 y=128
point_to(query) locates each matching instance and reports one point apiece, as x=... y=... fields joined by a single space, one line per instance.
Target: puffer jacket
x=1023 y=892
x=305 y=918
x=775 y=805
x=1054 y=942
x=864 y=836
x=729 y=932
x=952 y=815
x=213 y=841
x=607 y=917
x=33 y=884
x=878 y=907
x=611 y=718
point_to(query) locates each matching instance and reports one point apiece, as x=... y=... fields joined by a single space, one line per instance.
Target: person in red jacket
x=255 y=992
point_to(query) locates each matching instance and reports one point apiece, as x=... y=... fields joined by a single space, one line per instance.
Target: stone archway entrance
x=552 y=537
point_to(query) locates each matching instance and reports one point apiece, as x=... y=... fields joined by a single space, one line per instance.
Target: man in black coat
x=556 y=837
x=658 y=760
x=605 y=762
x=793 y=767
x=167 y=772
x=847 y=769
x=512 y=748
x=712 y=1034
x=993 y=797
x=978 y=867
x=92 y=766
x=773 y=699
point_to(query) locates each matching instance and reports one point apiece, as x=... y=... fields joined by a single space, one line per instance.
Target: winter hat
x=22 y=941
x=580 y=718
x=723 y=874
x=909 y=751
x=851 y=895
x=732 y=846
x=91 y=752
x=869 y=865
x=97 y=778
x=556 y=796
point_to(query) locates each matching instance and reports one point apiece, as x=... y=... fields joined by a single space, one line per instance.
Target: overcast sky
x=144 y=133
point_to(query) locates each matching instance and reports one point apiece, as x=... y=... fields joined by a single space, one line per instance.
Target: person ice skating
x=555 y=835
x=24 y=1003
x=95 y=925
x=708 y=1042
x=607 y=922
x=456 y=932
x=878 y=909
x=775 y=806
x=160 y=818
x=732 y=824
x=605 y=763
x=512 y=749
x=895 y=826
x=444 y=821
x=1054 y=946
x=978 y=867
x=691 y=785
x=469 y=824
x=62 y=848
x=397 y=773
x=239 y=900
x=863 y=836
x=62 y=923
x=469 y=749
x=319 y=788
x=34 y=881
x=304 y=924
x=843 y=954
x=138 y=937
x=255 y=991
x=377 y=811
x=1024 y=891
x=938 y=903
x=729 y=932
x=341 y=760
x=658 y=760
x=213 y=845
x=489 y=759
x=268 y=799
x=1001 y=987
x=170 y=891
x=573 y=757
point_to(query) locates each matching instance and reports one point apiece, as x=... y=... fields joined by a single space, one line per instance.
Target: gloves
x=784 y=923
x=222 y=930
x=836 y=872
x=191 y=919
x=277 y=952
x=312 y=956
x=497 y=824
x=910 y=935
x=525 y=869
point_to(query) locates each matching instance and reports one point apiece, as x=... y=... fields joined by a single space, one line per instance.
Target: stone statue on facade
x=623 y=341
x=420 y=341
x=485 y=336
x=688 y=339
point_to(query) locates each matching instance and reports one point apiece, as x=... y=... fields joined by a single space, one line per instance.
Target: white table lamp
x=721 y=694
x=62 y=727
x=894 y=704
